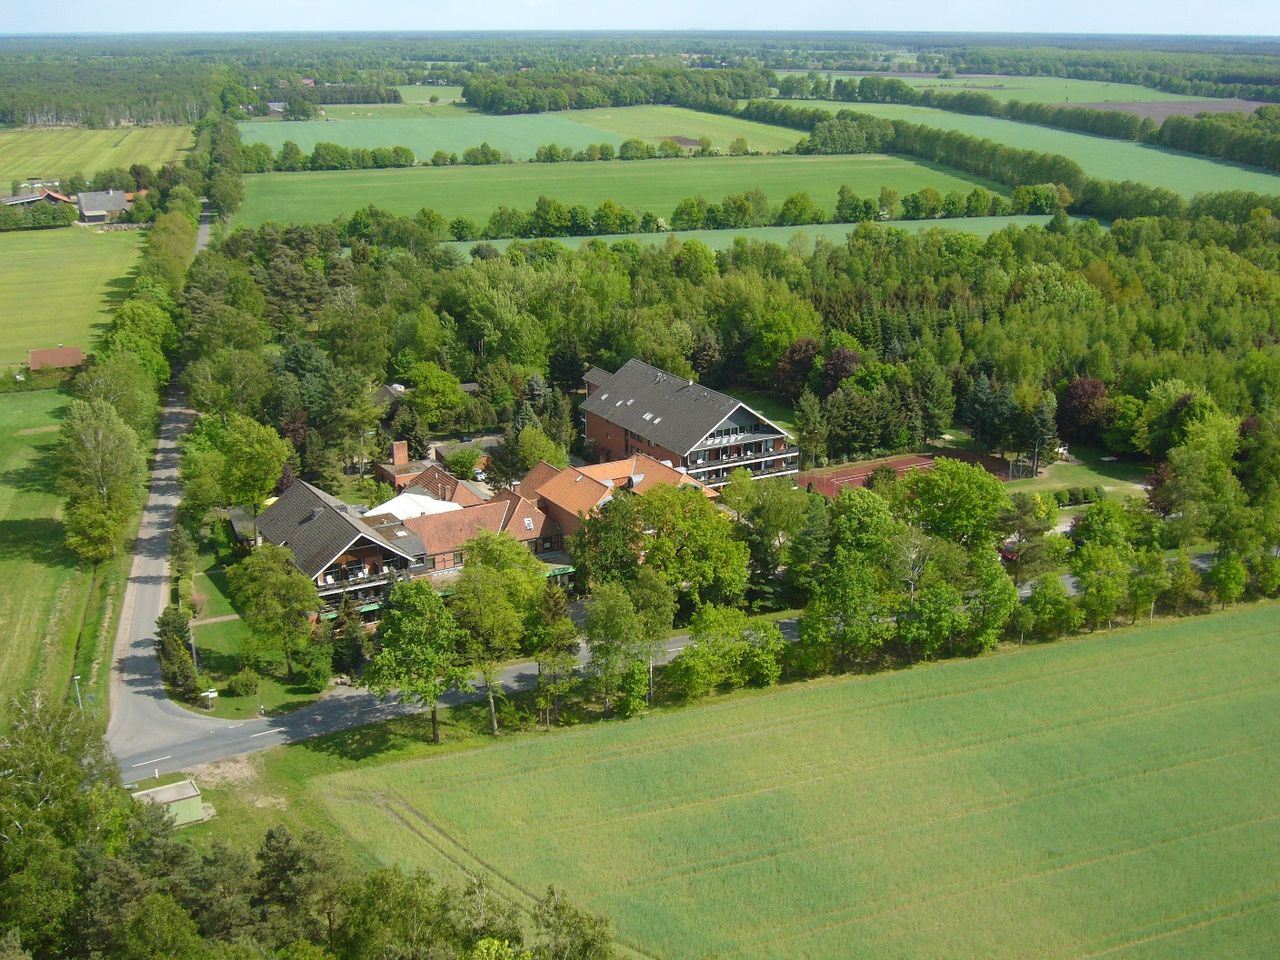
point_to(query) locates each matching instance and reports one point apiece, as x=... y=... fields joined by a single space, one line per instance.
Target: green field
x=48 y=602
x=416 y=93
x=1028 y=89
x=656 y=185
x=425 y=128
x=60 y=151
x=655 y=123
x=1101 y=157
x=834 y=232
x=58 y=286
x=1110 y=796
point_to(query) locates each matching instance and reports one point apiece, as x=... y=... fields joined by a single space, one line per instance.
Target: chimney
x=400 y=453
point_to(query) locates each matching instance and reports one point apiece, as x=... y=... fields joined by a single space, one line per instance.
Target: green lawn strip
x=61 y=286
x=656 y=185
x=1064 y=90
x=1121 y=477
x=1101 y=157
x=1059 y=801
x=806 y=235
x=780 y=412
x=61 y=151
x=219 y=647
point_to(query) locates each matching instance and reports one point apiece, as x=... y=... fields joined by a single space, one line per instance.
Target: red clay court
x=831 y=480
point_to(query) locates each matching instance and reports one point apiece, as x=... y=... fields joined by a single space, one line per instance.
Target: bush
x=1061 y=497
x=1099 y=492
x=244 y=684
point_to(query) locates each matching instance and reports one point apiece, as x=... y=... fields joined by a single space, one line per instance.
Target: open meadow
x=1100 y=157
x=1112 y=795
x=807 y=234
x=425 y=128
x=656 y=185
x=58 y=286
x=61 y=151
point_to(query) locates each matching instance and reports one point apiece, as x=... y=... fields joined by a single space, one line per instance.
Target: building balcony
x=724 y=458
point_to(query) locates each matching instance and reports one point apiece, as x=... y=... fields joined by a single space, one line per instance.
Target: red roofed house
x=438 y=482
x=443 y=534
x=570 y=495
x=55 y=358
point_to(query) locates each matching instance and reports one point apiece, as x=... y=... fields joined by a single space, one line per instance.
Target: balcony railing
x=787 y=451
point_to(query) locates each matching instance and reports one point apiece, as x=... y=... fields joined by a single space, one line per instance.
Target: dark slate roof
x=102 y=201
x=315 y=526
x=671 y=411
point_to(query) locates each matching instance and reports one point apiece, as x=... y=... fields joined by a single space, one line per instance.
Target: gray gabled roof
x=671 y=411
x=102 y=201
x=316 y=527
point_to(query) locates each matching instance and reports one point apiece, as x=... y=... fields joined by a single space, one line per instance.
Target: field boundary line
x=1218 y=914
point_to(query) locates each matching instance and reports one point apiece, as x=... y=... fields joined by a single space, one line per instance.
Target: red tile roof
x=524 y=521
x=55 y=358
x=447 y=532
x=443 y=485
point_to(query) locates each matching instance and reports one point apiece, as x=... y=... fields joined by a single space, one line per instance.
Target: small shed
x=180 y=800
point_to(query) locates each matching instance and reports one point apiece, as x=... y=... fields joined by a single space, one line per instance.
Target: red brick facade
x=612 y=442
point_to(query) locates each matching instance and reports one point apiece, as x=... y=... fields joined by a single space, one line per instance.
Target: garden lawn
x=51 y=607
x=1122 y=477
x=58 y=286
x=1100 y=157
x=1112 y=795
x=219 y=647
x=656 y=123
x=424 y=129
x=61 y=151
x=656 y=185
x=807 y=234
x=1062 y=90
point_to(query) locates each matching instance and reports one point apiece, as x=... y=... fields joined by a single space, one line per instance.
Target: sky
x=1220 y=17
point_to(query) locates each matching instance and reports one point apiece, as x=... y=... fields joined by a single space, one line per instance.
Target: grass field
x=656 y=185
x=1029 y=89
x=419 y=93
x=835 y=232
x=1108 y=796
x=1101 y=157
x=425 y=128
x=653 y=123
x=60 y=151
x=59 y=287
x=52 y=611
x=1121 y=478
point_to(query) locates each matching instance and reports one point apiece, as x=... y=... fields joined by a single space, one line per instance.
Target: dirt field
x=1164 y=109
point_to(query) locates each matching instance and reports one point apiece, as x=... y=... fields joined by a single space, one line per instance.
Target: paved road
x=196 y=739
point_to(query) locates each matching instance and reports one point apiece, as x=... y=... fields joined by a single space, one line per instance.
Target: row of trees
x=324 y=156
x=1245 y=138
x=89 y=872
x=536 y=91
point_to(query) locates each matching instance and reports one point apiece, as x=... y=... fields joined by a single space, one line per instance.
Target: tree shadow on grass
x=38 y=540
x=460 y=722
x=38 y=476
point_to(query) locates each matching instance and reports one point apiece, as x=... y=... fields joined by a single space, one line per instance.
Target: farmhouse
x=359 y=555
x=102 y=206
x=644 y=410
x=38 y=196
x=55 y=358
x=570 y=495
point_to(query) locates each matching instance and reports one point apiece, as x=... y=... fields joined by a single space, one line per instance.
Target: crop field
x=1027 y=89
x=1108 y=796
x=60 y=151
x=654 y=123
x=656 y=185
x=58 y=287
x=425 y=128
x=807 y=234
x=1101 y=157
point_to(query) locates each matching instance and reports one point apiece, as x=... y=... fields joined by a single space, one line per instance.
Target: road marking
x=146 y=762
x=674 y=649
x=262 y=734
x=235 y=725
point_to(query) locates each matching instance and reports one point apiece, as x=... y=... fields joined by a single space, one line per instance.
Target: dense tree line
x=87 y=871
x=37 y=216
x=1246 y=138
x=541 y=91
x=258 y=158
